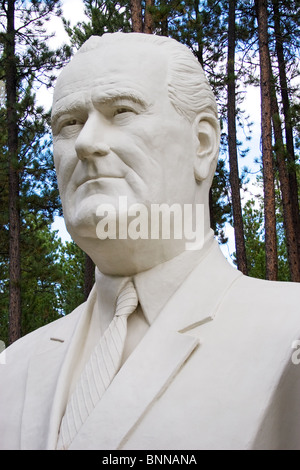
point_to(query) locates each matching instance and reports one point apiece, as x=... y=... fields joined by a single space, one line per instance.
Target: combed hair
x=188 y=87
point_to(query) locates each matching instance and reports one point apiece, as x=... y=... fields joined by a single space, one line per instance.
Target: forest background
x=250 y=53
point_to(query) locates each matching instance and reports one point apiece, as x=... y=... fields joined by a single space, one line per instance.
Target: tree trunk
x=89 y=276
x=266 y=135
x=232 y=146
x=136 y=16
x=199 y=49
x=288 y=126
x=14 y=215
x=211 y=211
x=291 y=241
x=148 y=17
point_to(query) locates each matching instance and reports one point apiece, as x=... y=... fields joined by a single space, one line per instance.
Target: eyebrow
x=113 y=95
x=68 y=104
x=65 y=106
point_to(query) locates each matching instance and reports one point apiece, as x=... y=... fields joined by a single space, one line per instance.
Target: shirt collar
x=154 y=286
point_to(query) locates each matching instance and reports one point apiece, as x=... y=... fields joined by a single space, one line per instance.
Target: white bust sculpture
x=160 y=132
x=208 y=355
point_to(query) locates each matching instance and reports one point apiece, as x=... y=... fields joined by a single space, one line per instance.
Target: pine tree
x=290 y=42
x=13 y=176
x=232 y=144
x=291 y=239
x=266 y=135
x=136 y=16
x=24 y=56
x=107 y=16
x=282 y=33
x=254 y=229
x=280 y=45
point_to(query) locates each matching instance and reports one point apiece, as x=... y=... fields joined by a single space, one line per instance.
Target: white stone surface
x=212 y=367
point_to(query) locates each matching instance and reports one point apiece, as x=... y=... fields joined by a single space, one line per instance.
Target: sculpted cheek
x=65 y=163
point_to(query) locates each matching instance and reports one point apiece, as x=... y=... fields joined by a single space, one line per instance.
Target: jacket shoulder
x=268 y=296
x=27 y=345
x=40 y=352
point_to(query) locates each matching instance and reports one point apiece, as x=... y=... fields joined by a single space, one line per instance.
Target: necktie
x=100 y=369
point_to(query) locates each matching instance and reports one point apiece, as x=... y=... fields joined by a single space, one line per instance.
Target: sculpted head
x=133 y=117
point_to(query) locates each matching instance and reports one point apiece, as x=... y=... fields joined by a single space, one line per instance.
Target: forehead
x=139 y=67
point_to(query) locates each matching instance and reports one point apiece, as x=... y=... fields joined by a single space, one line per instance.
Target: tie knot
x=127 y=300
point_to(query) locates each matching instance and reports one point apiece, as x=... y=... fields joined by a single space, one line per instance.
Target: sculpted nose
x=89 y=143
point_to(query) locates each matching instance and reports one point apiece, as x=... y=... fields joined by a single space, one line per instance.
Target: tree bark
x=291 y=240
x=232 y=146
x=287 y=120
x=266 y=134
x=148 y=23
x=136 y=16
x=89 y=276
x=14 y=215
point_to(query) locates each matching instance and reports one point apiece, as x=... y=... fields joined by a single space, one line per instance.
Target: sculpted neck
x=129 y=256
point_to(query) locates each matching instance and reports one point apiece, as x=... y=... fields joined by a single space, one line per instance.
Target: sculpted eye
x=71 y=122
x=123 y=110
x=66 y=126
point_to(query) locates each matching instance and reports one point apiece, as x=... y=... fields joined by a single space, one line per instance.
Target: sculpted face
x=116 y=133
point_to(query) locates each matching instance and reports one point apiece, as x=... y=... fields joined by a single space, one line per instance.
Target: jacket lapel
x=48 y=377
x=149 y=370
x=165 y=348
x=140 y=381
x=40 y=388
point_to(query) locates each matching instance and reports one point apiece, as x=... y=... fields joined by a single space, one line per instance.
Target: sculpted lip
x=94 y=180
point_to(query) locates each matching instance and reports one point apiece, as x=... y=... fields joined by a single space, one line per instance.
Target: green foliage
x=220 y=207
x=254 y=239
x=52 y=276
x=40 y=273
x=38 y=198
x=53 y=272
x=33 y=56
x=71 y=284
x=40 y=278
x=253 y=216
x=107 y=16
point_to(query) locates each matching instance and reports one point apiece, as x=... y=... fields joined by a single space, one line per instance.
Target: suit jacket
x=214 y=371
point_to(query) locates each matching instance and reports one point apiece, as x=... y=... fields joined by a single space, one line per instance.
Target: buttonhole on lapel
x=57 y=339
x=195 y=325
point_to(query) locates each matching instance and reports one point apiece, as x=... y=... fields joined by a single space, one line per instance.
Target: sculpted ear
x=207 y=131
